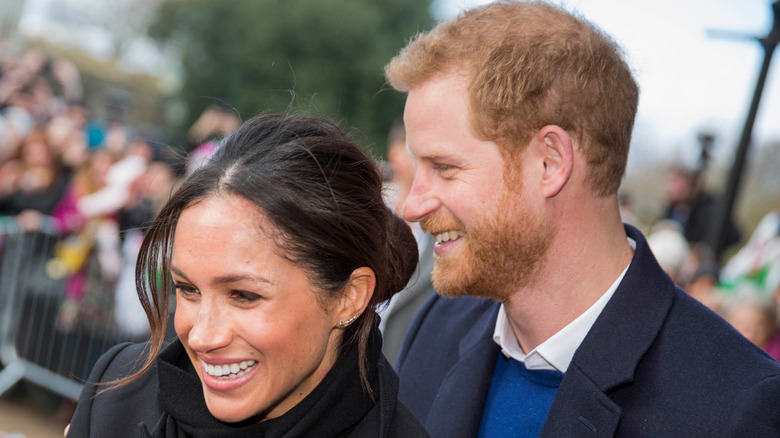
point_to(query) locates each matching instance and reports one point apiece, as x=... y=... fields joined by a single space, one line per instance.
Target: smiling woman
x=279 y=250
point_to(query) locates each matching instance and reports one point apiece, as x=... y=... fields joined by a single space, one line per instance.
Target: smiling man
x=519 y=117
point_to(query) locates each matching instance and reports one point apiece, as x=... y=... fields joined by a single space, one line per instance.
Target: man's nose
x=421 y=200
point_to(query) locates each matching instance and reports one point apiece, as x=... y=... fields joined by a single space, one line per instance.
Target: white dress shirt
x=556 y=352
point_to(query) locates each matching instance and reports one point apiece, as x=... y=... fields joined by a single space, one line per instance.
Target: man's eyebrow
x=433 y=155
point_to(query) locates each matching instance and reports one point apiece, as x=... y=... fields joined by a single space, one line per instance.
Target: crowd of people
x=745 y=288
x=79 y=178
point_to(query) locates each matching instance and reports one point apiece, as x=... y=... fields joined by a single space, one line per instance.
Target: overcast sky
x=690 y=80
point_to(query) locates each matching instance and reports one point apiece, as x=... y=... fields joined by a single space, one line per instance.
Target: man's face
x=489 y=241
x=678 y=187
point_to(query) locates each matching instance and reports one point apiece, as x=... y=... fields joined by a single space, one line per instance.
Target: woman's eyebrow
x=240 y=277
x=232 y=278
x=178 y=272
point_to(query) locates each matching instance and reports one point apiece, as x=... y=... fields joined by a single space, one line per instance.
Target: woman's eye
x=244 y=296
x=185 y=290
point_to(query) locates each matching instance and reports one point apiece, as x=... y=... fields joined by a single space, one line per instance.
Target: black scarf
x=332 y=409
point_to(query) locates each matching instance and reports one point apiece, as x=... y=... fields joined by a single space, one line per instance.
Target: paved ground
x=20 y=419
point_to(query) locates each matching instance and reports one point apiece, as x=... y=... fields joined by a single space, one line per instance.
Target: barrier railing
x=46 y=337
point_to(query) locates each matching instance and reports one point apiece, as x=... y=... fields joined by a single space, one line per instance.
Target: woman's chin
x=229 y=414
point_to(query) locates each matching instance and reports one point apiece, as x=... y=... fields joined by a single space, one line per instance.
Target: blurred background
x=104 y=105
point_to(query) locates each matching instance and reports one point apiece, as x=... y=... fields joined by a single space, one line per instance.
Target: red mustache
x=439 y=222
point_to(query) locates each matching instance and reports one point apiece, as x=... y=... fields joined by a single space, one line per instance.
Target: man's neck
x=580 y=267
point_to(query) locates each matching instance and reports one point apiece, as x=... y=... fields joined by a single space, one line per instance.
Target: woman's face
x=249 y=319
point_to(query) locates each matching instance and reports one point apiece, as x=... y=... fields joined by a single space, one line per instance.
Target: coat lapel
x=457 y=409
x=581 y=409
x=612 y=350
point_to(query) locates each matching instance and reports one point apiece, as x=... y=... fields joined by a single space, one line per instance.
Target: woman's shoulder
x=118 y=361
x=405 y=424
x=397 y=423
x=102 y=411
x=389 y=418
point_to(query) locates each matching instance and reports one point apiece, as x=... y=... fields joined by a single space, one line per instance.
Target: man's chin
x=448 y=280
x=455 y=283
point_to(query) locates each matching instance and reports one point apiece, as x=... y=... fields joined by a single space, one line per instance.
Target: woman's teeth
x=229 y=371
x=448 y=236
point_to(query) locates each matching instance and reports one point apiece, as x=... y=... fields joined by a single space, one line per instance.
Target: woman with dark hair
x=279 y=249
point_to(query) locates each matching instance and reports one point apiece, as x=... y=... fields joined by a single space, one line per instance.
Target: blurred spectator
x=116 y=191
x=214 y=123
x=147 y=193
x=84 y=232
x=401 y=167
x=16 y=123
x=755 y=317
x=84 y=183
x=691 y=205
x=27 y=96
x=89 y=179
x=399 y=312
x=67 y=137
x=32 y=183
x=669 y=247
x=703 y=286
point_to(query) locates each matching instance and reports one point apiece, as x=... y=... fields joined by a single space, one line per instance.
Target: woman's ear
x=357 y=295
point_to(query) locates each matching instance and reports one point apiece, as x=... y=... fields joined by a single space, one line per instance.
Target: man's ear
x=557 y=152
x=357 y=295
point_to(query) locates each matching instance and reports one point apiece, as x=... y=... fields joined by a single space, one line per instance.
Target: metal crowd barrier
x=44 y=338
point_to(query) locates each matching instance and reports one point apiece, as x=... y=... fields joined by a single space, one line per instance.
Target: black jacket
x=656 y=363
x=175 y=408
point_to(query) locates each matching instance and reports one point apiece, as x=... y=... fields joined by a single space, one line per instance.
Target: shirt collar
x=557 y=351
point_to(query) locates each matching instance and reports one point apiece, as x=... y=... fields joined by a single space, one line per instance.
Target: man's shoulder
x=457 y=313
x=443 y=319
x=672 y=369
x=706 y=340
x=448 y=348
x=708 y=376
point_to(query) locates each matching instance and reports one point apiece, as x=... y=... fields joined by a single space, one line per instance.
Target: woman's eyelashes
x=243 y=296
x=185 y=290
x=240 y=296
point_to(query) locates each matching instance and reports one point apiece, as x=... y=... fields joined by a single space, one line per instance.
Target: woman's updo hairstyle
x=323 y=195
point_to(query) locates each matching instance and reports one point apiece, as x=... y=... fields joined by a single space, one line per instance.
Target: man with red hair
x=519 y=116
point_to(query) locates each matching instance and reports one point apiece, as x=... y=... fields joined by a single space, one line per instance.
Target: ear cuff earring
x=347 y=322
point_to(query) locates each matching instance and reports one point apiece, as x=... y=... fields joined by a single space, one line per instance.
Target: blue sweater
x=518 y=400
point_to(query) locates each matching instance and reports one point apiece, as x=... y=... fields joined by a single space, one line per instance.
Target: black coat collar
x=333 y=409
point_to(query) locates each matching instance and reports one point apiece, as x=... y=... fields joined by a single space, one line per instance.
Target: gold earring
x=347 y=322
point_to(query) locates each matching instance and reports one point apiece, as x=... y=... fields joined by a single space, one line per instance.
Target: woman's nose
x=211 y=329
